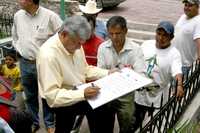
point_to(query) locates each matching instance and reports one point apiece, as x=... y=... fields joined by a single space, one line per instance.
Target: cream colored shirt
x=59 y=71
x=29 y=32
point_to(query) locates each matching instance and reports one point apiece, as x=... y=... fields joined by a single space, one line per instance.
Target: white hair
x=77 y=25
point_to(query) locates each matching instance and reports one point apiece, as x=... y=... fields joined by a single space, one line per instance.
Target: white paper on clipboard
x=116 y=85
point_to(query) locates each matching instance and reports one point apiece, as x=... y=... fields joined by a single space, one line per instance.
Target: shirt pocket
x=42 y=35
x=188 y=30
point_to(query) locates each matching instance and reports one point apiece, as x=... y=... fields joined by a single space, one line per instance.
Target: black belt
x=27 y=60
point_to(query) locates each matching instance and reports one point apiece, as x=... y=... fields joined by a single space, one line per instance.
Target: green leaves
x=186 y=127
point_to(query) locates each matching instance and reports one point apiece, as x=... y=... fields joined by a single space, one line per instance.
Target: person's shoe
x=50 y=130
x=35 y=128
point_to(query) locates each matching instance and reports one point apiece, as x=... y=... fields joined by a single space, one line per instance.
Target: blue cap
x=167 y=26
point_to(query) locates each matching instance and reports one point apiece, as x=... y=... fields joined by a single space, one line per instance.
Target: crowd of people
x=55 y=56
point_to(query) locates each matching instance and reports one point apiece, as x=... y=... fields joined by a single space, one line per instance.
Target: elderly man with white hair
x=61 y=66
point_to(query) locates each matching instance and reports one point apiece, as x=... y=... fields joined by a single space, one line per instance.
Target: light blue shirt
x=131 y=54
x=4 y=127
x=100 y=29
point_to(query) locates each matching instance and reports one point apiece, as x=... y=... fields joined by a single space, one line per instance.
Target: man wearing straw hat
x=90 y=10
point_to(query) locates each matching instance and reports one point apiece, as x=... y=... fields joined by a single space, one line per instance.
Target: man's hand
x=180 y=92
x=91 y=92
x=114 y=70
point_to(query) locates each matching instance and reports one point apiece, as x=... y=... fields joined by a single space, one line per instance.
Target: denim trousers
x=185 y=70
x=29 y=82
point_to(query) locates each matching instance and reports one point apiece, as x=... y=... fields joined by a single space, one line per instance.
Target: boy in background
x=11 y=72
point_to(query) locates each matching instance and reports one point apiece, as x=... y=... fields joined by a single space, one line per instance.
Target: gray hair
x=77 y=25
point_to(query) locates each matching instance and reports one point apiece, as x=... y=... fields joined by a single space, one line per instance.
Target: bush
x=186 y=127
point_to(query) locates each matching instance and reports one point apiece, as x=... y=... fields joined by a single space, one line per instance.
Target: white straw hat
x=90 y=7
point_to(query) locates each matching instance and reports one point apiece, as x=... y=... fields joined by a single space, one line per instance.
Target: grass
x=186 y=127
x=3 y=35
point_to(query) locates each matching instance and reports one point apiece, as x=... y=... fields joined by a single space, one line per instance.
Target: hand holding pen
x=91 y=92
x=116 y=69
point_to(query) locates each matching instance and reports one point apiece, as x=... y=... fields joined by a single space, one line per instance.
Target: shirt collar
x=127 y=45
x=60 y=45
x=36 y=13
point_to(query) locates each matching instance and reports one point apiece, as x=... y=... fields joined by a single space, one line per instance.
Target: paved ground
x=143 y=11
x=147 y=11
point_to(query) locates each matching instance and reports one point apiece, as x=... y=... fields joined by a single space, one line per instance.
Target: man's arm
x=14 y=33
x=56 y=22
x=196 y=37
x=139 y=62
x=197 y=41
x=180 y=91
x=101 y=57
x=177 y=73
x=92 y=72
x=50 y=81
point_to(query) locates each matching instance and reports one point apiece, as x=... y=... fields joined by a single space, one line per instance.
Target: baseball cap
x=167 y=26
x=191 y=1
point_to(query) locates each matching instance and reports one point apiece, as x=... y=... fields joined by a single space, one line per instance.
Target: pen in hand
x=92 y=84
x=91 y=92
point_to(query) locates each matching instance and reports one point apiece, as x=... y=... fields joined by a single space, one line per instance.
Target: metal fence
x=169 y=113
x=6 y=22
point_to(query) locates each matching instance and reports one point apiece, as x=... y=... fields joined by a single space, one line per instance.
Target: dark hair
x=36 y=2
x=11 y=54
x=117 y=20
x=92 y=19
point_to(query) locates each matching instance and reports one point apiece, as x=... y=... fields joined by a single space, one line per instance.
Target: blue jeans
x=29 y=82
x=185 y=70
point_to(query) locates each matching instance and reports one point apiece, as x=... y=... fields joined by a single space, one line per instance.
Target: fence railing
x=6 y=22
x=169 y=113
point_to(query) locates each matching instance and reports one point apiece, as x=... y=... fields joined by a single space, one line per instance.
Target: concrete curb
x=192 y=111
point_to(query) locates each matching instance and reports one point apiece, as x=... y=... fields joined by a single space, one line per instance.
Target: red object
x=5 y=109
x=91 y=48
x=5 y=93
